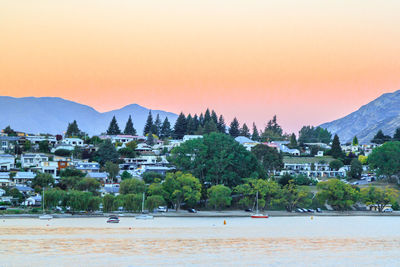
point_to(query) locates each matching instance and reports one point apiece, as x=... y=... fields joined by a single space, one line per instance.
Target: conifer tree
x=221 y=124
x=165 y=129
x=214 y=117
x=201 y=120
x=355 y=141
x=256 y=135
x=113 y=128
x=207 y=116
x=396 y=136
x=293 y=141
x=150 y=139
x=245 y=130
x=149 y=124
x=196 y=123
x=210 y=127
x=190 y=125
x=156 y=129
x=180 y=126
x=129 y=129
x=336 y=150
x=234 y=128
x=73 y=129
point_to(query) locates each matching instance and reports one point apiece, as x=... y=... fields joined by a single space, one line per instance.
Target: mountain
x=381 y=114
x=52 y=115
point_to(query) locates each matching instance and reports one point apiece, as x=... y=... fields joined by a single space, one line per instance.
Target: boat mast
x=43 y=200
x=257 y=202
x=143 y=204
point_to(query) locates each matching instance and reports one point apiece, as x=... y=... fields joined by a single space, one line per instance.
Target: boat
x=44 y=216
x=258 y=215
x=144 y=216
x=113 y=219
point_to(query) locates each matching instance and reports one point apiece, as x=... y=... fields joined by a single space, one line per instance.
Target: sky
x=308 y=61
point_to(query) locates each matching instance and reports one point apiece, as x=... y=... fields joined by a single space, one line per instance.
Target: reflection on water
x=293 y=241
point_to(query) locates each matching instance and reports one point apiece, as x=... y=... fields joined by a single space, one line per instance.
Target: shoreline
x=210 y=214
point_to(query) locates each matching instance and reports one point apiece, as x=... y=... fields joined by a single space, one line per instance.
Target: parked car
x=248 y=210
x=311 y=210
x=388 y=210
x=3 y=208
x=305 y=210
x=192 y=210
x=299 y=210
x=319 y=210
x=162 y=209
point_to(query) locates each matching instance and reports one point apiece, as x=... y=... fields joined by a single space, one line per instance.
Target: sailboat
x=144 y=216
x=258 y=215
x=44 y=216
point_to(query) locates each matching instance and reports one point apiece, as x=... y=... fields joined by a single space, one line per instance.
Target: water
x=278 y=241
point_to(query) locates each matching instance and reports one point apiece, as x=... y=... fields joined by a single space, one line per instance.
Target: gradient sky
x=306 y=61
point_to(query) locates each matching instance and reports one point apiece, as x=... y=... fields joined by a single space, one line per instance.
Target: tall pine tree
x=129 y=129
x=214 y=117
x=73 y=129
x=207 y=116
x=336 y=150
x=255 y=135
x=234 y=128
x=245 y=130
x=113 y=128
x=149 y=124
x=180 y=126
x=165 y=129
x=190 y=129
x=221 y=124
x=293 y=141
x=156 y=129
x=396 y=136
x=201 y=120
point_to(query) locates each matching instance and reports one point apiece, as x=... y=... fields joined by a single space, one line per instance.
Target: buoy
x=224 y=222
x=312 y=217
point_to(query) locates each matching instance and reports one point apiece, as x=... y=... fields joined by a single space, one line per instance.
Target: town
x=200 y=163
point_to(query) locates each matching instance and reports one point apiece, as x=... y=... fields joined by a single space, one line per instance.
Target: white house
x=8 y=142
x=87 y=166
x=32 y=160
x=24 y=177
x=50 y=167
x=36 y=139
x=311 y=167
x=7 y=162
x=191 y=137
x=62 y=146
x=73 y=142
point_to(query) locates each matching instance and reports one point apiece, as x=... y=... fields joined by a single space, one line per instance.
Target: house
x=8 y=142
x=24 y=177
x=7 y=162
x=32 y=160
x=191 y=137
x=87 y=166
x=36 y=139
x=24 y=189
x=2 y=192
x=123 y=139
x=62 y=146
x=158 y=169
x=246 y=142
x=33 y=201
x=50 y=167
x=110 y=189
x=5 y=182
x=100 y=176
x=73 y=142
x=311 y=167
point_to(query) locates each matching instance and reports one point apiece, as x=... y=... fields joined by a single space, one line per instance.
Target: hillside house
x=311 y=167
x=7 y=162
x=73 y=142
x=21 y=178
x=32 y=160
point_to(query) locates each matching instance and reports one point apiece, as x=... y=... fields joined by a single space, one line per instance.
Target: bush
x=150 y=177
x=62 y=152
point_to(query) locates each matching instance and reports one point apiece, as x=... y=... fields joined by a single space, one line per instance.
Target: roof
x=9 y=138
x=23 y=188
x=5 y=181
x=34 y=155
x=4 y=175
x=305 y=160
x=97 y=175
x=25 y=175
x=243 y=139
x=6 y=156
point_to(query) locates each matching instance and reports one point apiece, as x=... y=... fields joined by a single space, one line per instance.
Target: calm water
x=280 y=241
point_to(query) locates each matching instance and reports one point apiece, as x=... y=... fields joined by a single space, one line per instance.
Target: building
x=24 y=178
x=50 y=167
x=73 y=142
x=32 y=160
x=311 y=167
x=87 y=166
x=8 y=142
x=36 y=139
x=100 y=176
x=191 y=137
x=7 y=162
x=246 y=142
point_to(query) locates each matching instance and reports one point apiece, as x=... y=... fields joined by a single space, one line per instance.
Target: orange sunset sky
x=306 y=61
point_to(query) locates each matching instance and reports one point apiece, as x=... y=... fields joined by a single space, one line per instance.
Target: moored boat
x=144 y=216
x=258 y=215
x=113 y=219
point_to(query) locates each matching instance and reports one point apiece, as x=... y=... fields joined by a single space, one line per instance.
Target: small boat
x=44 y=216
x=258 y=215
x=144 y=216
x=113 y=219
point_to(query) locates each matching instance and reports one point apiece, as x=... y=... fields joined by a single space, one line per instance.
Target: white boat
x=144 y=216
x=44 y=216
x=113 y=219
x=258 y=215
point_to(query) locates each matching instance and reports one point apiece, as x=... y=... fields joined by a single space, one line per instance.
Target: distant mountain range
x=381 y=114
x=52 y=115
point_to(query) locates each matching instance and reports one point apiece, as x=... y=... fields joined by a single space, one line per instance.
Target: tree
x=44 y=146
x=339 y=195
x=336 y=150
x=182 y=187
x=133 y=202
x=379 y=196
x=43 y=180
x=113 y=128
x=396 y=136
x=165 y=129
x=108 y=202
x=207 y=116
x=53 y=197
x=293 y=196
x=151 y=177
x=216 y=158
x=336 y=164
x=73 y=129
x=245 y=130
x=234 y=128
x=191 y=125
x=269 y=158
x=284 y=180
x=9 y=131
x=255 y=136
x=132 y=186
x=149 y=124
x=89 y=184
x=293 y=141
x=129 y=129
x=210 y=127
x=380 y=138
x=309 y=134
x=126 y=175
x=106 y=152
x=221 y=124
x=355 y=169
x=112 y=169
x=180 y=126
x=94 y=203
x=62 y=152
x=355 y=141
x=150 y=139
x=385 y=159
x=78 y=200
x=219 y=196
x=272 y=131
x=157 y=125
x=154 y=201
x=71 y=172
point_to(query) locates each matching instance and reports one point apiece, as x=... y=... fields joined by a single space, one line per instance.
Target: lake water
x=277 y=241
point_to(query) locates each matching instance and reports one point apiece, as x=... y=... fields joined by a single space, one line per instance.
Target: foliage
x=309 y=134
x=126 y=175
x=106 y=152
x=293 y=142
x=385 y=159
x=234 y=130
x=336 y=164
x=355 y=141
x=216 y=158
x=302 y=179
x=182 y=187
x=396 y=136
x=269 y=158
x=355 y=169
x=129 y=129
x=157 y=126
x=132 y=186
x=150 y=139
x=73 y=130
x=9 y=131
x=165 y=129
x=293 y=196
x=88 y=184
x=108 y=203
x=219 y=196
x=339 y=195
x=180 y=127
x=380 y=138
x=336 y=150
x=112 y=169
x=273 y=131
x=78 y=200
x=221 y=124
x=43 y=180
x=255 y=136
x=154 y=201
x=44 y=146
x=71 y=172
x=113 y=128
x=133 y=202
x=70 y=182
x=62 y=152
x=284 y=180
x=245 y=130
x=379 y=196
x=150 y=177
x=363 y=159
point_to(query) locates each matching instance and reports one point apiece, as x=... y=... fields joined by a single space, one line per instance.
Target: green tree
x=293 y=196
x=355 y=169
x=234 y=130
x=112 y=169
x=44 y=146
x=385 y=159
x=182 y=187
x=108 y=203
x=336 y=164
x=272 y=131
x=132 y=186
x=380 y=138
x=53 y=197
x=9 y=131
x=129 y=129
x=73 y=130
x=355 y=141
x=62 y=152
x=165 y=129
x=336 y=150
x=133 y=202
x=154 y=201
x=43 y=180
x=293 y=141
x=149 y=124
x=126 y=175
x=71 y=172
x=151 y=177
x=210 y=127
x=78 y=200
x=27 y=146
x=150 y=139
x=255 y=135
x=157 y=126
x=88 y=184
x=94 y=203
x=106 y=152
x=379 y=196
x=245 y=130
x=309 y=134
x=269 y=158
x=284 y=180
x=221 y=124
x=180 y=126
x=219 y=196
x=339 y=195
x=396 y=136
x=113 y=128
